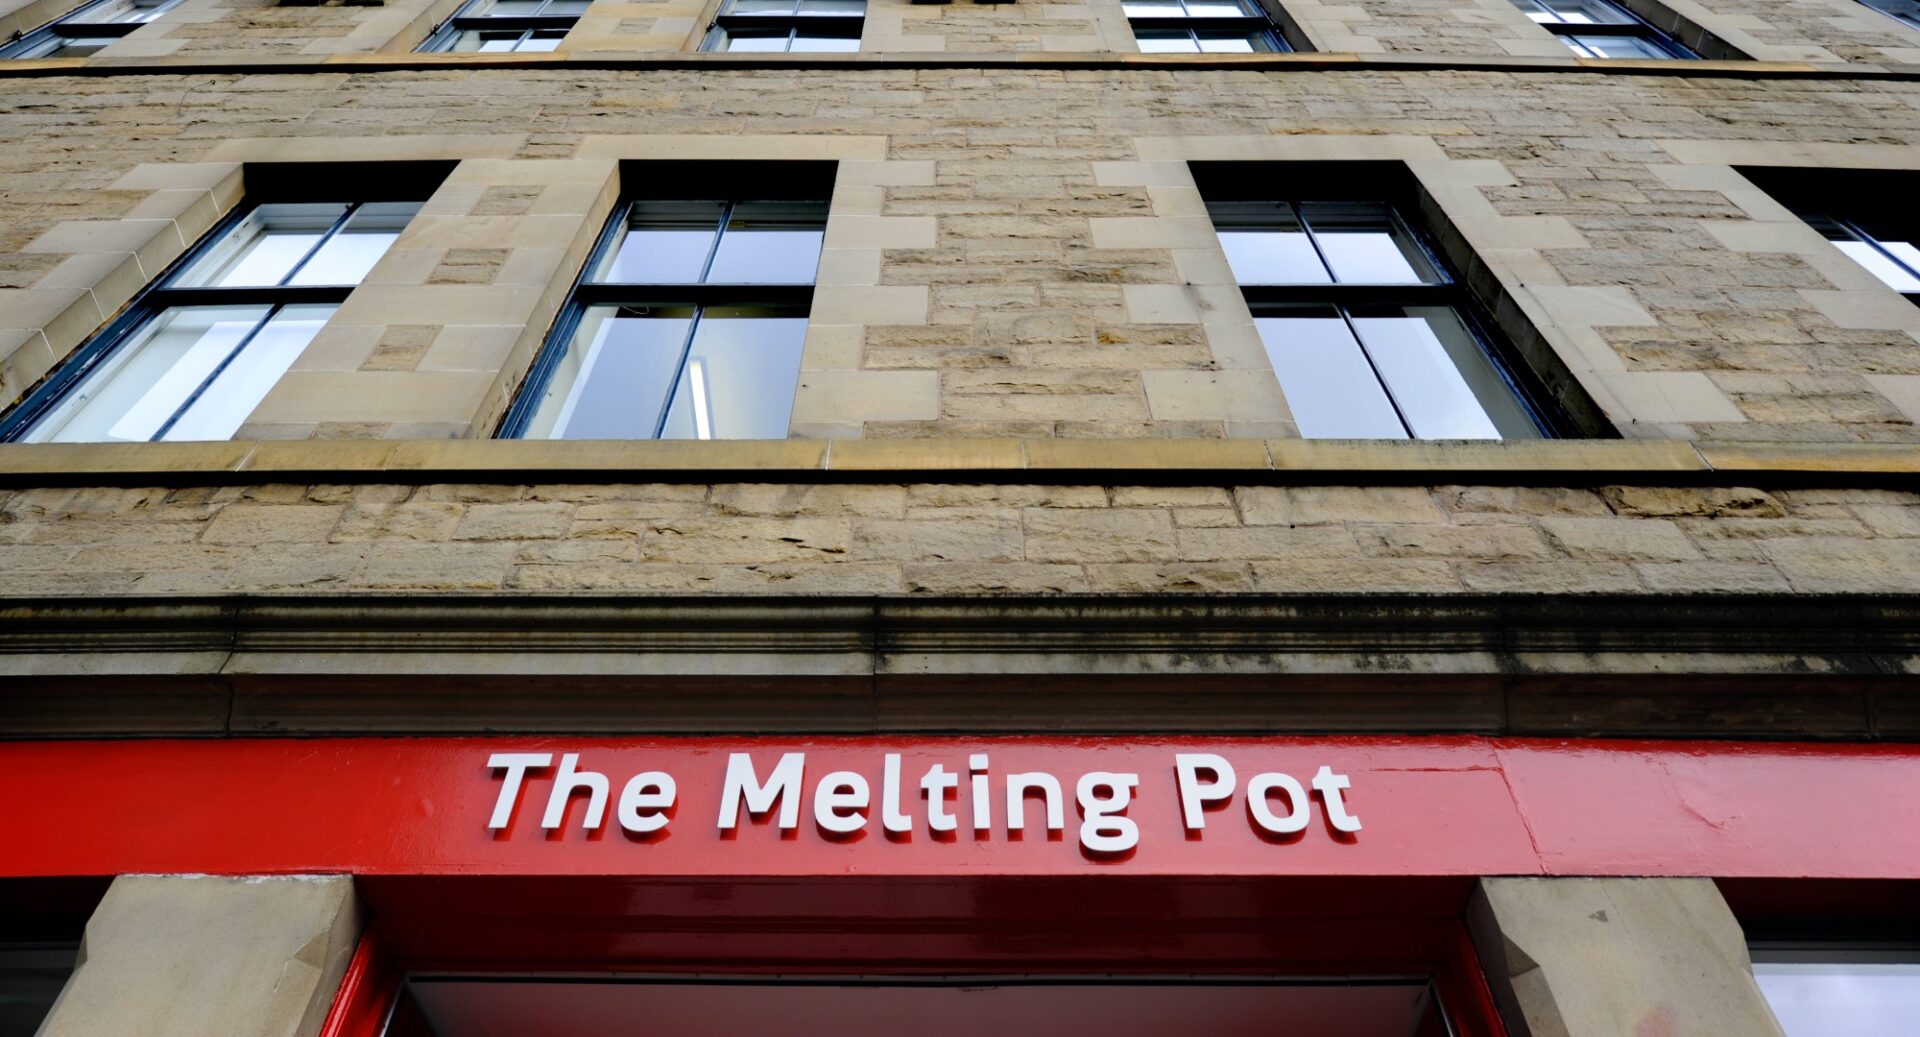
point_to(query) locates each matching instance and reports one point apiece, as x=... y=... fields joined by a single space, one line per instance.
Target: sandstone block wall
x=954 y=539
x=1010 y=252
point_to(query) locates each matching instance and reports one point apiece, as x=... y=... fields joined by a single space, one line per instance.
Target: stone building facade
x=1040 y=476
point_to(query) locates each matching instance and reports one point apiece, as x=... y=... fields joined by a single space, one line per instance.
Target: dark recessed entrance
x=939 y=1007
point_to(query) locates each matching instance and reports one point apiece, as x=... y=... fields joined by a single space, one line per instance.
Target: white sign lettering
x=843 y=801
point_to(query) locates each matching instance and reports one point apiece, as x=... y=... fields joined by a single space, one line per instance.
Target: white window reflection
x=739 y=377
x=506 y=26
x=1574 y=12
x=193 y=373
x=613 y=378
x=1330 y=386
x=207 y=344
x=85 y=31
x=719 y=363
x=1320 y=243
x=299 y=244
x=778 y=26
x=1850 y=999
x=717 y=243
x=1360 y=324
x=1628 y=47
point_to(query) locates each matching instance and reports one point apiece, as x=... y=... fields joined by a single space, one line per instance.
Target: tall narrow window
x=1201 y=26
x=86 y=30
x=687 y=324
x=197 y=352
x=1907 y=11
x=501 y=26
x=788 y=25
x=1371 y=336
x=1602 y=29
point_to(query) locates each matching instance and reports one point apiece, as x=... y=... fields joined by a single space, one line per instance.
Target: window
x=1867 y=214
x=1840 y=992
x=87 y=30
x=688 y=320
x=499 y=26
x=1201 y=26
x=1370 y=334
x=196 y=352
x=1907 y=11
x=788 y=25
x=1602 y=29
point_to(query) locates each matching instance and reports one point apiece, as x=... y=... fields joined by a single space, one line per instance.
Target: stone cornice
x=1822 y=667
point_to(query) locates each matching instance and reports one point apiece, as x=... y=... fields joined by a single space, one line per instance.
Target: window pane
x=1879 y=265
x=133 y=392
x=262 y=249
x=1219 y=9
x=1366 y=244
x=1852 y=999
x=1265 y=244
x=118 y=12
x=542 y=40
x=740 y=376
x=1330 y=388
x=818 y=41
x=776 y=7
x=1166 y=41
x=1153 y=9
x=748 y=41
x=574 y=8
x=1442 y=380
x=839 y=8
x=770 y=243
x=73 y=48
x=248 y=377
x=348 y=255
x=1617 y=46
x=1575 y=12
x=614 y=376
x=1231 y=43
x=665 y=243
x=493 y=41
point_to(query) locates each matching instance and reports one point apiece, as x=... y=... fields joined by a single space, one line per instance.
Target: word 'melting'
x=843 y=802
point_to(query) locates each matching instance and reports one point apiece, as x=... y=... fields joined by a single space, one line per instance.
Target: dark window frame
x=727 y=25
x=403 y=181
x=669 y=181
x=1256 y=23
x=1633 y=27
x=1808 y=192
x=64 y=30
x=1538 y=377
x=439 y=41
